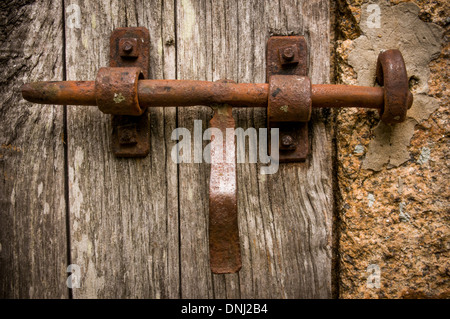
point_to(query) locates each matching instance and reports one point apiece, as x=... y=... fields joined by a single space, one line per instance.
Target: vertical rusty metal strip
x=224 y=248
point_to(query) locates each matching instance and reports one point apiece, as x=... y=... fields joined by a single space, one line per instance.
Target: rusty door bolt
x=287 y=142
x=128 y=47
x=289 y=97
x=288 y=54
x=127 y=135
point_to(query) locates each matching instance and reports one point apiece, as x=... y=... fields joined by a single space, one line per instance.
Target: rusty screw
x=127 y=47
x=288 y=54
x=287 y=142
x=127 y=135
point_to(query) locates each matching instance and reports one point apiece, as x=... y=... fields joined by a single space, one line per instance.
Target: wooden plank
x=193 y=44
x=285 y=219
x=33 y=253
x=123 y=212
x=287 y=216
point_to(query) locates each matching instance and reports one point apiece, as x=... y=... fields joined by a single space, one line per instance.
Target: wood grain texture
x=123 y=212
x=193 y=44
x=285 y=219
x=138 y=228
x=33 y=245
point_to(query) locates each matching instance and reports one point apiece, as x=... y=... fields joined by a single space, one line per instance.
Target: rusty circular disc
x=116 y=91
x=391 y=74
x=289 y=99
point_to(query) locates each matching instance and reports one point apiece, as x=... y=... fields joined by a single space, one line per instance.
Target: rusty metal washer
x=391 y=74
x=116 y=91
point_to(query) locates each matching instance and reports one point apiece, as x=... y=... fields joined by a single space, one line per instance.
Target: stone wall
x=392 y=181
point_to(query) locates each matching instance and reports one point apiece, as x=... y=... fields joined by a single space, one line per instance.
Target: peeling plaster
x=420 y=43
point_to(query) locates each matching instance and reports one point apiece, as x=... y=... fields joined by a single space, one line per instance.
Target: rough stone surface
x=392 y=180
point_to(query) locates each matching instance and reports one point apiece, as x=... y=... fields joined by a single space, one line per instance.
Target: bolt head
x=127 y=135
x=288 y=53
x=287 y=142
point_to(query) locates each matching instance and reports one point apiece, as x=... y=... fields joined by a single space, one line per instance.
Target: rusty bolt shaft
x=60 y=93
x=190 y=93
x=335 y=96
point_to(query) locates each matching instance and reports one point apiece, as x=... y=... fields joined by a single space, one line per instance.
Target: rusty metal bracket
x=129 y=59
x=289 y=93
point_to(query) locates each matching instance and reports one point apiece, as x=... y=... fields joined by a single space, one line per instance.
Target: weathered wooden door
x=139 y=227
